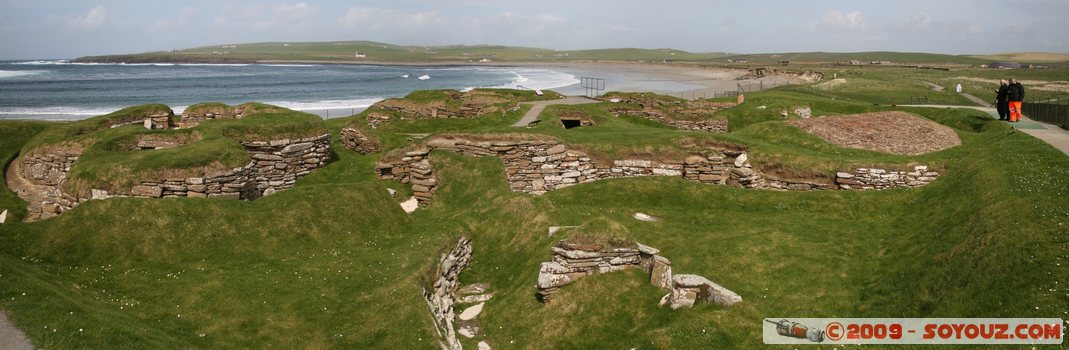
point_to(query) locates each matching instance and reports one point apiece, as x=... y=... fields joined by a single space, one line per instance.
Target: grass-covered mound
x=80 y=134
x=110 y=158
x=433 y=104
x=337 y=262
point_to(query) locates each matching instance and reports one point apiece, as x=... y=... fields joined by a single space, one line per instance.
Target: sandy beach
x=680 y=80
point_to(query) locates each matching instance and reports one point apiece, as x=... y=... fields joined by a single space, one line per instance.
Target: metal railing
x=741 y=88
x=1054 y=111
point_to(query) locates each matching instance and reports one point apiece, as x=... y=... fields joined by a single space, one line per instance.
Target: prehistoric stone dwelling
x=39 y=176
x=537 y=164
x=574 y=260
x=697 y=115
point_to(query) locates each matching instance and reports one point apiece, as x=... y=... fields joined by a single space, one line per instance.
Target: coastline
x=679 y=79
x=684 y=80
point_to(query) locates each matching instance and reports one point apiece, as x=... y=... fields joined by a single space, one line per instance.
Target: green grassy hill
x=864 y=57
x=335 y=263
x=345 y=52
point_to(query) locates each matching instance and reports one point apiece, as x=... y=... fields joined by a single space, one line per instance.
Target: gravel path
x=12 y=338
x=935 y=87
x=538 y=106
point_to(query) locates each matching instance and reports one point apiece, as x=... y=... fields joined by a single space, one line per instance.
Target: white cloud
x=289 y=16
x=918 y=21
x=371 y=17
x=95 y=18
x=835 y=20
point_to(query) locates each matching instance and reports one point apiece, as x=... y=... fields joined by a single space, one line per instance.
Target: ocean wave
x=19 y=73
x=42 y=62
x=287 y=65
x=327 y=104
x=54 y=113
x=73 y=113
x=213 y=64
x=539 y=79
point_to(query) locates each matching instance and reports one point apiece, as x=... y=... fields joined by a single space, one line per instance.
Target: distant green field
x=345 y=52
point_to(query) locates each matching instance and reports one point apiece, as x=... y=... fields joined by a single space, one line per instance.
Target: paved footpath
x=1052 y=134
x=12 y=338
x=538 y=106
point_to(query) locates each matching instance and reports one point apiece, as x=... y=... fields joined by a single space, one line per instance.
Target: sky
x=41 y=29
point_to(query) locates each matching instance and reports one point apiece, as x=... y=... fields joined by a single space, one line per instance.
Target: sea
x=63 y=90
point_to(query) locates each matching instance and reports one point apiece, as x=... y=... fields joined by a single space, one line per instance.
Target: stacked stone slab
x=360 y=141
x=275 y=165
x=463 y=105
x=700 y=112
x=880 y=179
x=424 y=182
x=48 y=169
x=539 y=165
x=193 y=116
x=715 y=125
x=572 y=261
x=441 y=296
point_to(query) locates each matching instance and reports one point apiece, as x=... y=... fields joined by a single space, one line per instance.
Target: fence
x=740 y=88
x=1054 y=111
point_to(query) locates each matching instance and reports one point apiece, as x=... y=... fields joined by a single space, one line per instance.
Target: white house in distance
x=361 y=54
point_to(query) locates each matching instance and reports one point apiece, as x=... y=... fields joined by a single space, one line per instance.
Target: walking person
x=1002 y=100
x=1016 y=95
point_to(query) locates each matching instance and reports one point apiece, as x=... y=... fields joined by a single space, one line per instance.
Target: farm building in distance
x=1004 y=65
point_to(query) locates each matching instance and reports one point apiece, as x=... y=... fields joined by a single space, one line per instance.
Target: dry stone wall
x=539 y=165
x=572 y=261
x=275 y=165
x=47 y=169
x=716 y=125
x=879 y=179
x=360 y=141
x=441 y=297
x=465 y=105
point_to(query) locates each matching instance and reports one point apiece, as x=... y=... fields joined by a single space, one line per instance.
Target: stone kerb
x=572 y=261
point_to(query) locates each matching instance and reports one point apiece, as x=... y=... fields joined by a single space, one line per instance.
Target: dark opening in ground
x=571 y=123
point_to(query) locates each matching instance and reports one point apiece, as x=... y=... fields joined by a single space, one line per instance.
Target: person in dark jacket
x=1002 y=100
x=1016 y=95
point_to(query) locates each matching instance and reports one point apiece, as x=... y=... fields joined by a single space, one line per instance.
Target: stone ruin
x=794 y=76
x=880 y=179
x=456 y=104
x=535 y=164
x=360 y=141
x=199 y=113
x=570 y=120
x=445 y=293
x=38 y=178
x=574 y=260
x=698 y=114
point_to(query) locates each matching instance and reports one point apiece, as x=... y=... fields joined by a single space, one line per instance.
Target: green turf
x=335 y=263
x=110 y=158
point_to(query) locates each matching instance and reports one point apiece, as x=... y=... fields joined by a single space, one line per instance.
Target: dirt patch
x=892 y=132
x=830 y=84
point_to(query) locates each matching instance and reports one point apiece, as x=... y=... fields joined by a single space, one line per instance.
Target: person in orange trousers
x=1016 y=95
